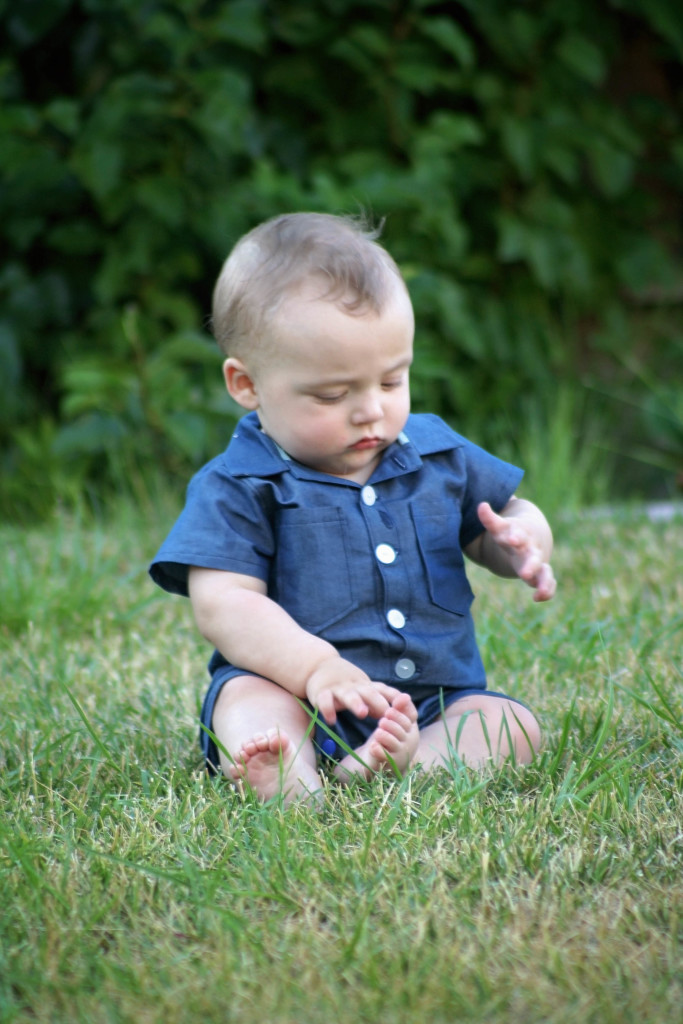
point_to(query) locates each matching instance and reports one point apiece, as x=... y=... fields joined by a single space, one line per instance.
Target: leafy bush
x=526 y=158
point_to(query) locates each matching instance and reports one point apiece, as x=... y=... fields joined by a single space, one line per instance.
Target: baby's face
x=335 y=392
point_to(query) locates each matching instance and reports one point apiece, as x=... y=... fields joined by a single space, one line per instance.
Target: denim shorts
x=350 y=730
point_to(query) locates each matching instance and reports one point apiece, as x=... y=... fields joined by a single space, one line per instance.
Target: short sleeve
x=488 y=478
x=224 y=525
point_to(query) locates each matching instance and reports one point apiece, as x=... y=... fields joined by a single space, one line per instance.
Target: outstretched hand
x=515 y=537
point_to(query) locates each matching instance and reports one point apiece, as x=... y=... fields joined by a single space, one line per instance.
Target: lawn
x=135 y=888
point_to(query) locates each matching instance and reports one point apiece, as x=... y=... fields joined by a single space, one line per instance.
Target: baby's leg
x=392 y=745
x=480 y=729
x=264 y=728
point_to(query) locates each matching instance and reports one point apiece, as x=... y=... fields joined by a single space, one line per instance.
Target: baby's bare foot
x=392 y=745
x=268 y=763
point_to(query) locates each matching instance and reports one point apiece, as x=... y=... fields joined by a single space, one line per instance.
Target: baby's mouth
x=366 y=443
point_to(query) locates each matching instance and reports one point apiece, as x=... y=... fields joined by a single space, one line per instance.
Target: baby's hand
x=515 y=537
x=336 y=684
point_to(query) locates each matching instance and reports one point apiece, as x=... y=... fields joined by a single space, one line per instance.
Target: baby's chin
x=358 y=468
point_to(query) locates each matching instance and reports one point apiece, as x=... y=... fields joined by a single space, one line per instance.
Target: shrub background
x=527 y=159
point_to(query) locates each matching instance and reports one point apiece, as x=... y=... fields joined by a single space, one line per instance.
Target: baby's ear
x=240 y=383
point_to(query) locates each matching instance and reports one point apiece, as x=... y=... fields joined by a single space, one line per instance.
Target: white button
x=404 y=668
x=368 y=495
x=385 y=553
x=396 y=618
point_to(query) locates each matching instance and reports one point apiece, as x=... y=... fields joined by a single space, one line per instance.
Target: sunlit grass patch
x=134 y=887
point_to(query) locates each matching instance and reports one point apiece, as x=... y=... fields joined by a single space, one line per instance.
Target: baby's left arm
x=518 y=542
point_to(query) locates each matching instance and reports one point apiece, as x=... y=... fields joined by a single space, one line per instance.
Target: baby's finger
x=489 y=519
x=516 y=538
x=390 y=693
x=353 y=701
x=504 y=531
x=546 y=584
x=376 y=701
x=325 y=706
x=531 y=567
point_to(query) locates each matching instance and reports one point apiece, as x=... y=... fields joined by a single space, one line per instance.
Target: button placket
x=385 y=554
x=368 y=495
x=405 y=668
x=396 y=618
x=396 y=583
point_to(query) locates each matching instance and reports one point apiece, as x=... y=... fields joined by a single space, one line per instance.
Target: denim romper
x=377 y=570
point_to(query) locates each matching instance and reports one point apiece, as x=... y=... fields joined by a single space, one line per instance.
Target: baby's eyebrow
x=400 y=365
x=329 y=385
x=329 y=382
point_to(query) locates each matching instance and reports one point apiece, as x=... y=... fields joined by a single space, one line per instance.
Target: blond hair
x=275 y=258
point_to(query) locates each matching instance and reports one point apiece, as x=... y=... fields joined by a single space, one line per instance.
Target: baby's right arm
x=236 y=615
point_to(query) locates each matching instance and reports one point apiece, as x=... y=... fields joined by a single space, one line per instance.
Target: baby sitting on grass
x=323 y=550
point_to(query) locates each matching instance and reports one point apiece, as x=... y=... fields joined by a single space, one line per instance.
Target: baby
x=323 y=550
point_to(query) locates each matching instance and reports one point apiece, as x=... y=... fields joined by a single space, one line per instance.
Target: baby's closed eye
x=330 y=399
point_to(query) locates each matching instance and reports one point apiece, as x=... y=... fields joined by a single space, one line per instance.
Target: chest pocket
x=312 y=578
x=438 y=535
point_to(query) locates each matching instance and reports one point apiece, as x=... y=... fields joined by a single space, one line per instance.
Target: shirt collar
x=253 y=453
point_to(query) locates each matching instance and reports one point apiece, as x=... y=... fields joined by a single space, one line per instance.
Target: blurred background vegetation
x=527 y=159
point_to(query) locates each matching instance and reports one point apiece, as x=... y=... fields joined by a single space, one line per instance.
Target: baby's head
x=317 y=327
x=338 y=255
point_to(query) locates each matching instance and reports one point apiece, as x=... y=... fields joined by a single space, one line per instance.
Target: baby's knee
x=247 y=688
x=526 y=730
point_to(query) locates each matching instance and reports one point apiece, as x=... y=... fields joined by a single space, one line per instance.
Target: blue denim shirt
x=376 y=570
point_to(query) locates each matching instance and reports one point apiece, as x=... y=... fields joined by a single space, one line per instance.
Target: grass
x=134 y=888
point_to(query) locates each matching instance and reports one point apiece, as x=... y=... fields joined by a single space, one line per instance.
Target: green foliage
x=527 y=160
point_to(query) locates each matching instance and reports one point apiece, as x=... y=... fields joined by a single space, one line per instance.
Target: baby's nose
x=368 y=410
